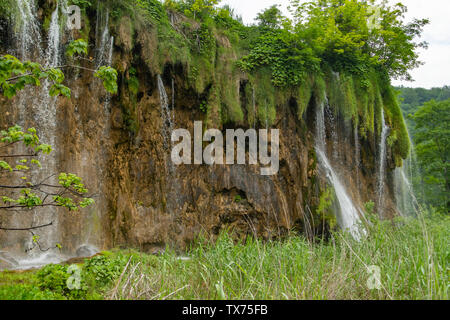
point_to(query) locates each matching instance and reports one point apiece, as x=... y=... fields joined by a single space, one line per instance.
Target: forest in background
x=427 y=114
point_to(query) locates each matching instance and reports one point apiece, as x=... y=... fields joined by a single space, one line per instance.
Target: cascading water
x=104 y=46
x=29 y=36
x=108 y=63
x=405 y=195
x=407 y=203
x=173 y=100
x=357 y=157
x=166 y=114
x=382 y=163
x=348 y=216
x=38 y=109
x=331 y=117
x=45 y=111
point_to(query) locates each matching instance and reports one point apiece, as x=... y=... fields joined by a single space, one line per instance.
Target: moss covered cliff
x=213 y=69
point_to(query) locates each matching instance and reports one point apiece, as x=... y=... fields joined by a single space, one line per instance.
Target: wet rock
x=86 y=251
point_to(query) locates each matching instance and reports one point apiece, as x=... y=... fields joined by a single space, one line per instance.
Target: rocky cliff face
x=117 y=145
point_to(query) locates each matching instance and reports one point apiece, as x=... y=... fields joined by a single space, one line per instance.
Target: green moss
x=324 y=209
x=209 y=54
x=303 y=96
x=399 y=137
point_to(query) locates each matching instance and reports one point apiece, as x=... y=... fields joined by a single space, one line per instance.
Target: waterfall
x=45 y=110
x=29 y=34
x=102 y=47
x=348 y=216
x=405 y=196
x=39 y=109
x=334 y=131
x=109 y=62
x=166 y=114
x=382 y=163
x=357 y=157
x=173 y=100
x=406 y=201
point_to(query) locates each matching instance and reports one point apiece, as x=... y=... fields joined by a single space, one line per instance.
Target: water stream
x=348 y=216
x=382 y=163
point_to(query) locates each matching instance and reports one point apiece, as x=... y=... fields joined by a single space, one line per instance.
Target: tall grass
x=412 y=255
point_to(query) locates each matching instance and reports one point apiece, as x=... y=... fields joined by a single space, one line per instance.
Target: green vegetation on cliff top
x=332 y=48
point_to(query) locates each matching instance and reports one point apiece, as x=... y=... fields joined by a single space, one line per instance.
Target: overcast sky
x=435 y=72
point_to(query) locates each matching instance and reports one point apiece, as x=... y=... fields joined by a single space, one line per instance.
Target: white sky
x=435 y=72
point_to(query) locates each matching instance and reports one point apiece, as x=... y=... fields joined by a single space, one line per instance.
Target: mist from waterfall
x=405 y=195
x=348 y=216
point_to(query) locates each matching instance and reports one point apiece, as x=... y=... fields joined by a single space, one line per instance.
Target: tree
x=351 y=35
x=69 y=192
x=199 y=8
x=432 y=137
x=270 y=18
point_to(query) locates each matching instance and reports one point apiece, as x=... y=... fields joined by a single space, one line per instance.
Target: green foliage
x=324 y=208
x=26 y=292
x=285 y=54
x=53 y=278
x=154 y=8
x=101 y=271
x=348 y=37
x=83 y=4
x=198 y=9
x=399 y=140
x=109 y=77
x=432 y=137
x=30 y=195
x=77 y=47
x=15 y=75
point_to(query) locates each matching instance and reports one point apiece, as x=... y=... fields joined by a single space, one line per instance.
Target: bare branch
x=27 y=229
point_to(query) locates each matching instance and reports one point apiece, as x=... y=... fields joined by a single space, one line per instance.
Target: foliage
x=324 y=208
x=101 y=271
x=54 y=278
x=15 y=75
x=32 y=194
x=79 y=47
x=285 y=54
x=83 y=4
x=350 y=37
x=109 y=77
x=432 y=137
x=412 y=256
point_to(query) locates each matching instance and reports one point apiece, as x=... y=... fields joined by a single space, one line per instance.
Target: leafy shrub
x=27 y=292
x=101 y=270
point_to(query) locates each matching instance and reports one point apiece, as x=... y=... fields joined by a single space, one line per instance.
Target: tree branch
x=27 y=229
x=58 y=67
